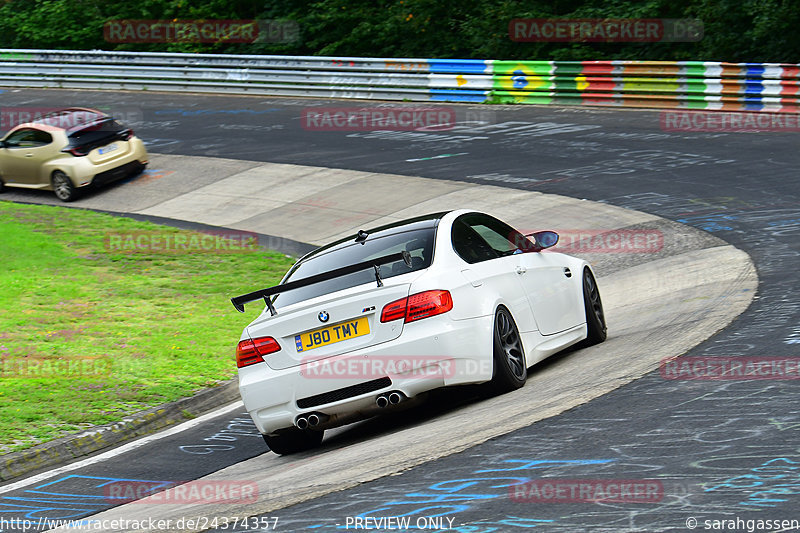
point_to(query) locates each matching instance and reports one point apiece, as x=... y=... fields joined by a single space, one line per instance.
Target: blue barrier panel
x=754 y=70
x=459 y=66
x=753 y=87
x=753 y=103
x=458 y=95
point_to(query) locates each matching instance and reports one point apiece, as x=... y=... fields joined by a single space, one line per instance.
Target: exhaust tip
x=301 y=423
x=382 y=401
x=313 y=420
x=395 y=398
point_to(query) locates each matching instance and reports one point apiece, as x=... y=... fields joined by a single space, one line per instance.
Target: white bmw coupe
x=369 y=322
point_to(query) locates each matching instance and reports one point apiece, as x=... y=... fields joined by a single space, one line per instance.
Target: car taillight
x=126 y=135
x=394 y=311
x=250 y=352
x=418 y=306
x=77 y=152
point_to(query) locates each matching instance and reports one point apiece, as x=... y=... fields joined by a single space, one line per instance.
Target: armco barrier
x=658 y=84
x=662 y=84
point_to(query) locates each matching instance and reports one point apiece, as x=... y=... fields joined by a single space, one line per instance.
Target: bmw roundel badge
x=323 y=316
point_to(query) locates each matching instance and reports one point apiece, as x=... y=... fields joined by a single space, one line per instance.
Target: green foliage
x=90 y=333
x=735 y=30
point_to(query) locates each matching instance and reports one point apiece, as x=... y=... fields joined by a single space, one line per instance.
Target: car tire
x=596 y=329
x=293 y=440
x=138 y=169
x=510 y=371
x=63 y=187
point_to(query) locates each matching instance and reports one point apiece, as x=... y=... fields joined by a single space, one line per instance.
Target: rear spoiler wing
x=239 y=301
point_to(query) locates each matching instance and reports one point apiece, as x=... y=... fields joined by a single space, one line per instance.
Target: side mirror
x=3 y=144
x=543 y=240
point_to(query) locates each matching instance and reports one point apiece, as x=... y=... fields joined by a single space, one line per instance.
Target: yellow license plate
x=332 y=334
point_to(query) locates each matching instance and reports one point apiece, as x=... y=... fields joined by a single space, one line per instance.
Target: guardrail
x=768 y=87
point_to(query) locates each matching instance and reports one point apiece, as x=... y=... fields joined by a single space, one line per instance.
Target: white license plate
x=106 y=149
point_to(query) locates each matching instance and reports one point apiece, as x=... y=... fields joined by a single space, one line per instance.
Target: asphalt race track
x=720 y=450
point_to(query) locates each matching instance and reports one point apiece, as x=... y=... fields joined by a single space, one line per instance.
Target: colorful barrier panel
x=659 y=84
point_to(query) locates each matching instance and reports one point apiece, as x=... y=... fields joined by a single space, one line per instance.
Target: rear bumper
x=429 y=354
x=84 y=173
x=122 y=167
x=117 y=173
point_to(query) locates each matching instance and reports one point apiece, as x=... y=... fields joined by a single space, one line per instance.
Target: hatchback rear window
x=418 y=242
x=96 y=134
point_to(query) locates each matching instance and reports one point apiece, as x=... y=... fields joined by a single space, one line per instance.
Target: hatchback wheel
x=63 y=187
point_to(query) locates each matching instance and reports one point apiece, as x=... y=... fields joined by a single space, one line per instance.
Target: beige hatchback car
x=69 y=150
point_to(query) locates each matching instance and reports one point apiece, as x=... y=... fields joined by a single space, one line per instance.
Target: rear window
x=96 y=134
x=418 y=242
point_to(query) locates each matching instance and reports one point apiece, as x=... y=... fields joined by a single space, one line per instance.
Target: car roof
x=69 y=119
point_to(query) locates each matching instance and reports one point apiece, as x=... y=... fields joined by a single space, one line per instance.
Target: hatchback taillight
x=250 y=352
x=77 y=152
x=126 y=135
x=418 y=306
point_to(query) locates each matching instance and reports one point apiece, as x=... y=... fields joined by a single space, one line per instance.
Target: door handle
x=521 y=270
x=567 y=272
x=28 y=155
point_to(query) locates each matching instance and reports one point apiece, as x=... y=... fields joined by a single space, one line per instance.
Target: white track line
x=122 y=449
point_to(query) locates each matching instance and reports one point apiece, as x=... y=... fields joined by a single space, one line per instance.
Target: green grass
x=139 y=328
